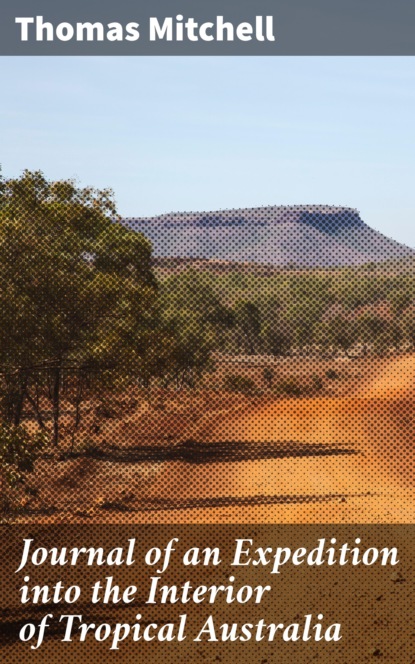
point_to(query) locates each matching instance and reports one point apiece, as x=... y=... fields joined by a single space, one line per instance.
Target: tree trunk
x=20 y=397
x=78 y=400
x=35 y=407
x=55 y=404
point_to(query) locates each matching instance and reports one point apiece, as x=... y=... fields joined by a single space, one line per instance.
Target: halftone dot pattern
x=241 y=366
x=374 y=605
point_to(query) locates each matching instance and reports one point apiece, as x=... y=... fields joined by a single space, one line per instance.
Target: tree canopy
x=77 y=293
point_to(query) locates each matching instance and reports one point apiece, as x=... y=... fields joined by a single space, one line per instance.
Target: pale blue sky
x=208 y=133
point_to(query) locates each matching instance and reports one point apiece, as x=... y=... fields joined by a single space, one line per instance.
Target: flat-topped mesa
x=297 y=235
x=327 y=218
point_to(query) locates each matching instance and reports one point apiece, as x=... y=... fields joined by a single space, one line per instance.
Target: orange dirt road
x=364 y=471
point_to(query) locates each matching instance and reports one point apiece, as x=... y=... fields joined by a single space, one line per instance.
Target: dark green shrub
x=18 y=451
x=290 y=386
x=238 y=383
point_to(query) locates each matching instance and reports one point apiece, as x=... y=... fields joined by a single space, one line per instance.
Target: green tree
x=194 y=320
x=248 y=322
x=77 y=293
x=342 y=333
x=371 y=328
x=191 y=351
x=278 y=337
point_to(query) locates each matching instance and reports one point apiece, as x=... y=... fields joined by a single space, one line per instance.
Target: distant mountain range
x=299 y=235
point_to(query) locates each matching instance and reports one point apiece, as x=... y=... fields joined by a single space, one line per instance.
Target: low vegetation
x=348 y=312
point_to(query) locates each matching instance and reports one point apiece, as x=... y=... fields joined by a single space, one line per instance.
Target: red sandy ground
x=375 y=484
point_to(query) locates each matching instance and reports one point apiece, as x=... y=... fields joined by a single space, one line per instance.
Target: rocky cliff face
x=303 y=235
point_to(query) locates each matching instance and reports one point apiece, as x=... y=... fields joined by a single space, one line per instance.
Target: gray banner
x=294 y=27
